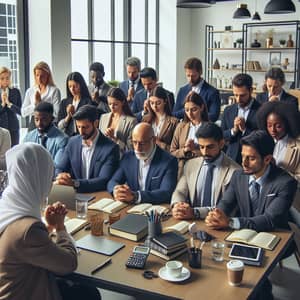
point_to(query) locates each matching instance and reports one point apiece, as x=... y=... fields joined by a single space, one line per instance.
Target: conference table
x=209 y=282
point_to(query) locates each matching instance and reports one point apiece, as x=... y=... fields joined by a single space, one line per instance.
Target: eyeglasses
x=149 y=274
x=143 y=143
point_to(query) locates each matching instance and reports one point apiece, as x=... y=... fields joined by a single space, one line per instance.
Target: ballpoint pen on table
x=103 y=264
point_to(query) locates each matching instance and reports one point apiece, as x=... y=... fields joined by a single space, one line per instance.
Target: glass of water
x=81 y=208
x=217 y=250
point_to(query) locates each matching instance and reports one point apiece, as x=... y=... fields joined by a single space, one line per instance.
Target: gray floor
x=285 y=281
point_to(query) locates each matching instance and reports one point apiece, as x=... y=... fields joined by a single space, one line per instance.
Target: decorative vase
x=255 y=44
x=269 y=42
x=285 y=64
x=290 y=42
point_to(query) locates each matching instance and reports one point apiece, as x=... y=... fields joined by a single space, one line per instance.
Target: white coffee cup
x=174 y=268
x=235 y=270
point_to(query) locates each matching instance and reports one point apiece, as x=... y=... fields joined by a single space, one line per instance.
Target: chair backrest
x=296 y=231
x=295 y=93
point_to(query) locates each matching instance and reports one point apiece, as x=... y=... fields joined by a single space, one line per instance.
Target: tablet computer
x=251 y=255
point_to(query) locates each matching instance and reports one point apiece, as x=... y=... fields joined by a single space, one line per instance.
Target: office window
x=8 y=39
x=111 y=31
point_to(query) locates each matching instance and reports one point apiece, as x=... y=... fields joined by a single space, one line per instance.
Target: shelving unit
x=245 y=58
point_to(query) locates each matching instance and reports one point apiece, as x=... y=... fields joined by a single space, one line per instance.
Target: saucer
x=163 y=274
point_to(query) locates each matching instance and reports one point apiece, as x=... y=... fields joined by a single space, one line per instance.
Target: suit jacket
x=138 y=102
x=233 y=142
x=291 y=161
x=285 y=97
x=166 y=133
x=104 y=162
x=209 y=94
x=55 y=143
x=69 y=128
x=29 y=259
x=160 y=181
x=123 y=131
x=124 y=86
x=101 y=101
x=179 y=138
x=8 y=116
x=275 y=199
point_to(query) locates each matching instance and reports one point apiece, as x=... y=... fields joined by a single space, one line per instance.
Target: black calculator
x=138 y=257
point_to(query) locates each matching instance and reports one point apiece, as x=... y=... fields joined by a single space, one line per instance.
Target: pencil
x=103 y=264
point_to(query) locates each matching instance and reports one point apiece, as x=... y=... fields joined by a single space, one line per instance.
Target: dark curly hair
x=285 y=111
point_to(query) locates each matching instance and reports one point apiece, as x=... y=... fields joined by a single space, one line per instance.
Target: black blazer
x=275 y=199
x=286 y=97
x=8 y=116
x=233 y=142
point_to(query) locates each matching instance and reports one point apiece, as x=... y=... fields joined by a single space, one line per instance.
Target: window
x=109 y=31
x=8 y=39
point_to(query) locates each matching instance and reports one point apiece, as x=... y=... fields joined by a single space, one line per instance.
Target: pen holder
x=195 y=257
x=154 y=229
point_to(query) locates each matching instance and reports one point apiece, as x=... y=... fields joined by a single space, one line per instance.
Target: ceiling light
x=280 y=7
x=256 y=16
x=242 y=12
x=194 y=3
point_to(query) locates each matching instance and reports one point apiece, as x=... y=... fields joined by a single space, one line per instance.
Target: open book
x=264 y=240
x=108 y=205
x=181 y=227
x=74 y=225
x=143 y=207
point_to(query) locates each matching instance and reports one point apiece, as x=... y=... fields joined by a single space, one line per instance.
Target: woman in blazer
x=10 y=106
x=184 y=144
x=44 y=89
x=160 y=118
x=120 y=121
x=281 y=121
x=77 y=96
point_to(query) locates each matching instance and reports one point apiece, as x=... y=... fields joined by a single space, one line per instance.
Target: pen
x=103 y=264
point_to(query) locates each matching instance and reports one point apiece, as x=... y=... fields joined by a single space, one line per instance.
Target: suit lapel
x=107 y=119
x=152 y=168
x=244 y=195
x=193 y=178
x=96 y=154
x=221 y=177
x=78 y=159
x=165 y=126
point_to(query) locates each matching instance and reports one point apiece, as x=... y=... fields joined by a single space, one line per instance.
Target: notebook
x=99 y=244
x=147 y=207
x=169 y=240
x=108 y=205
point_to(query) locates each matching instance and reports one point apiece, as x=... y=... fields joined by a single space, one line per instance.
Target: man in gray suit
x=205 y=178
x=262 y=192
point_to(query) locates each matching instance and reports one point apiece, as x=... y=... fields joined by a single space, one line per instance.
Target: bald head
x=143 y=139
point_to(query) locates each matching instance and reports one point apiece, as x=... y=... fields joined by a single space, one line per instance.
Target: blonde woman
x=10 y=105
x=44 y=89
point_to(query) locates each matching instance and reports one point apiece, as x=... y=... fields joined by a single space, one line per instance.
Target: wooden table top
x=209 y=282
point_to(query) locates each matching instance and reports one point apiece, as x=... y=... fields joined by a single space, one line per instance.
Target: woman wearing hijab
x=28 y=257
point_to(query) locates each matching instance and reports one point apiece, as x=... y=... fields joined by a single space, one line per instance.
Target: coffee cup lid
x=235 y=265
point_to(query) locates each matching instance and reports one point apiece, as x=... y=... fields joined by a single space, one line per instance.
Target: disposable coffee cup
x=174 y=268
x=235 y=271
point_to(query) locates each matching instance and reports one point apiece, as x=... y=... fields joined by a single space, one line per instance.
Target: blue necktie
x=208 y=185
x=254 y=195
x=44 y=140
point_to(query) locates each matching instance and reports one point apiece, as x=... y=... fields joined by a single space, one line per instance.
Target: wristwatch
x=76 y=184
x=231 y=223
x=9 y=105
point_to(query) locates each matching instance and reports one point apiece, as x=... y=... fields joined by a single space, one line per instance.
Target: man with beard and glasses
x=90 y=158
x=147 y=174
x=46 y=133
x=205 y=178
x=211 y=96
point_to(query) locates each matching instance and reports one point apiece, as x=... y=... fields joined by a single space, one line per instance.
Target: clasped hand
x=55 y=216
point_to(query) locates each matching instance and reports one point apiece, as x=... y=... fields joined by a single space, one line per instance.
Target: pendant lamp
x=242 y=12
x=194 y=3
x=280 y=7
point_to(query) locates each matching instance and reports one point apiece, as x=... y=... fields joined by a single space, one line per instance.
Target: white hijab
x=30 y=171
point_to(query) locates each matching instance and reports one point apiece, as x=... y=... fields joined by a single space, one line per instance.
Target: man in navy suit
x=140 y=104
x=239 y=119
x=211 y=96
x=133 y=84
x=147 y=174
x=90 y=158
x=274 y=80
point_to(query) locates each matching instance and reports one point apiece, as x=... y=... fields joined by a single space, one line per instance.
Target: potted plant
x=282 y=43
x=239 y=42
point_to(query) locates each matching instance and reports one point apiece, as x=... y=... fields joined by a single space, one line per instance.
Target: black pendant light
x=194 y=3
x=280 y=7
x=242 y=12
x=256 y=15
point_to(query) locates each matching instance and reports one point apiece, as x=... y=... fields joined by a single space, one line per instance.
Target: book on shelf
x=264 y=240
x=181 y=227
x=152 y=245
x=108 y=205
x=169 y=240
x=170 y=256
x=132 y=227
x=147 y=207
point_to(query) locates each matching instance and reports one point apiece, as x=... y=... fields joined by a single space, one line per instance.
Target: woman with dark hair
x=184 y=144
x=120 y=121
x=281 y=121
x=159 y=116
x=77 y=96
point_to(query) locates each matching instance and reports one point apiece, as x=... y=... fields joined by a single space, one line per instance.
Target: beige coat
x=180 y=136
x=28 y=258
x=123 y=132
x=186 y=187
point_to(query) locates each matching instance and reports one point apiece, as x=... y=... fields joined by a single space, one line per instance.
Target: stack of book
x=167 y=245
